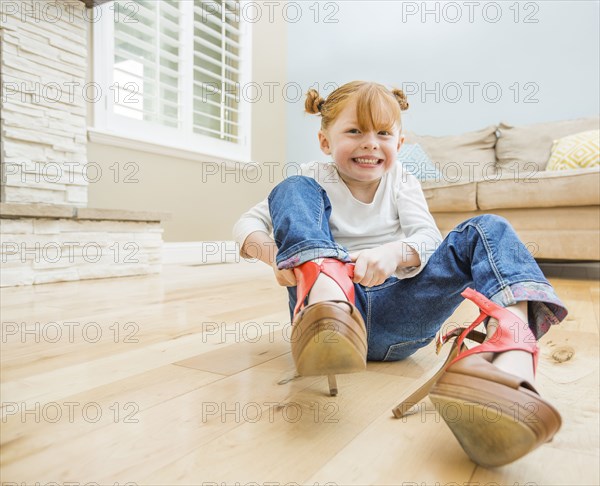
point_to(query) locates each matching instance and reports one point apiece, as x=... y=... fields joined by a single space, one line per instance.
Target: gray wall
x=373 y=41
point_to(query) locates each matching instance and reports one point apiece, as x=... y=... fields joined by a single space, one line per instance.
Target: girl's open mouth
x=365 y=161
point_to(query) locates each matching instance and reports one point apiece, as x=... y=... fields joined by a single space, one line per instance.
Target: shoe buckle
x=441 y=339
x=439 y=342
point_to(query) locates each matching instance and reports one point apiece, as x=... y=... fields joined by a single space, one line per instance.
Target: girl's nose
x=370 y=142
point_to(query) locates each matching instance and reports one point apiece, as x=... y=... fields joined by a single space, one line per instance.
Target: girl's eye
x=354 y=130
x=384 y=132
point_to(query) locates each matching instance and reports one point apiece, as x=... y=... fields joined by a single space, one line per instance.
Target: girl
x=370 y=277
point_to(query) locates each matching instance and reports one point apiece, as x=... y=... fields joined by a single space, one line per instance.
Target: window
x=172 y=73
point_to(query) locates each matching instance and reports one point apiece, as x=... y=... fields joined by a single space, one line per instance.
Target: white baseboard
x=226 y=251
x=200 y=252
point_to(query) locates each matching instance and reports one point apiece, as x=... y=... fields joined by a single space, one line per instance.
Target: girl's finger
x=359 y=271
x=368 y=279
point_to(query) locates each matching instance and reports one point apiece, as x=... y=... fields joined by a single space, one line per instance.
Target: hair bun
x=314 y=102
x=401 y=98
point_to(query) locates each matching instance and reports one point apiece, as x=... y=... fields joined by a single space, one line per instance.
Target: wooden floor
x=186 y=378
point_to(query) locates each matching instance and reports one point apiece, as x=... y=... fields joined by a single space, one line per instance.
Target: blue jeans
x=403 y=315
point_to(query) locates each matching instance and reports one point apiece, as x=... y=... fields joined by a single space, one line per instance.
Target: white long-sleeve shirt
x=398 y=212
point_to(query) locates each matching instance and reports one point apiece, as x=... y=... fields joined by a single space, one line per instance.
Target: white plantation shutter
x=147 y=62
x=175 y=70
x=217 y=40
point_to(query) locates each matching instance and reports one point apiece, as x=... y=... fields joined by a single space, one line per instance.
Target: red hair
x=377 y=108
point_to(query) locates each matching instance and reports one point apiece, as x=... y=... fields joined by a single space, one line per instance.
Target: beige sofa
x=501 y=170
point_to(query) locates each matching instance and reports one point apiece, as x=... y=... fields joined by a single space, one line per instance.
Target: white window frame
x=119 y=130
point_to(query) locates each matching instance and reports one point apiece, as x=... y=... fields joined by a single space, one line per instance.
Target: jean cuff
x=310 y=250
x=545 y=308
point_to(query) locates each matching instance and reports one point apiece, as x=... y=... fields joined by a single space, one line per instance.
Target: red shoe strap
x=506 y=337
x=308 y=272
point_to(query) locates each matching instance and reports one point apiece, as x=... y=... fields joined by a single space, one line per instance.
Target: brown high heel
x=496 y=416
x=328 y=337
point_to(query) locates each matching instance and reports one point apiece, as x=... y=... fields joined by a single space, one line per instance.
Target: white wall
x=372 y=41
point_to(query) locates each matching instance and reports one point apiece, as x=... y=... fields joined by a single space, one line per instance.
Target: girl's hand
x=373 y=267
x=285 y=277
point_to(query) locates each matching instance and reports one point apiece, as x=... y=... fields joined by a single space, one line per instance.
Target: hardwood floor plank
x=576 y=296
x=545 y=466
x=417 y=449
x=56 y=384
x=245 y=354
x=78 y=340
x=295 y=444
x=29 y=431
x=163 y=433
x=568 y=378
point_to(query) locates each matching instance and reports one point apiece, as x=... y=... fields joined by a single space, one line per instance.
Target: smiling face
x=362 y=149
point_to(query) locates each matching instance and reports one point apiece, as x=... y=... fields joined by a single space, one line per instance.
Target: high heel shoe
x=496 y=416
x=328 y=337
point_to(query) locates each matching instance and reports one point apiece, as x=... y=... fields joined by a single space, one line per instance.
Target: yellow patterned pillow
x=575 y=151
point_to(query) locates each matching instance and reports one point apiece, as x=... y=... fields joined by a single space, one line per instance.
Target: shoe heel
x=333 y=388
x=327 y=339
x=404 y=407
x=496 y=417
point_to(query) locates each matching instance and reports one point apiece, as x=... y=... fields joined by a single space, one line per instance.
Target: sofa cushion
x=567 y=233
x=415 y=161
x=444 y=197
x=575 y=187
x=576 y=151
x=466 y=157
x=529 y=147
